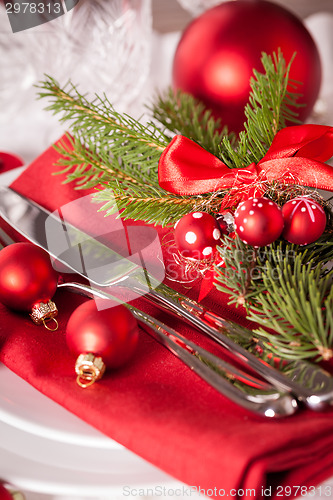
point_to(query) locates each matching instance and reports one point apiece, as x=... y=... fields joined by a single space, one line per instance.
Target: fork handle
x=218 y=329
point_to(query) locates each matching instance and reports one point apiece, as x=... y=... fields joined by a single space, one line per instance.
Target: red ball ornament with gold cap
x=258 y=221
x=197 y=235
x=101 y=338
x=304 y=220
x=28 y=281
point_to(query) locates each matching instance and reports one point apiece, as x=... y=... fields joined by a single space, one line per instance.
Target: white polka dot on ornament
x=304 y=220
x=258 y=221
x=197 y=235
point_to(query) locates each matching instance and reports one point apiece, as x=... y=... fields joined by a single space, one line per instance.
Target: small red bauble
x=304 y=220
x=102 y=338
x=225 y=221
x=196 y=235
x=27 y=278
x=216 y=55
x=258 y=221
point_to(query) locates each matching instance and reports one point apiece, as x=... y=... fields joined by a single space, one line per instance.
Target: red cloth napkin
x=156 y=406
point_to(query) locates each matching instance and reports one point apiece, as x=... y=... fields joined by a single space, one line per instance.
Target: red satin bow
x=296 y=156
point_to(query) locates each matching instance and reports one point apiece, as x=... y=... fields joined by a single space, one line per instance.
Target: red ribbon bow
x=296 y=156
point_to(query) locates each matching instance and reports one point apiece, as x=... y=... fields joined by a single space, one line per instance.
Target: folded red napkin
x=156 y=406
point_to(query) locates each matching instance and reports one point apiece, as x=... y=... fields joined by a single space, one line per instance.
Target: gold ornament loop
x=86 y=378
x=88 y=368
x=48 y=321
x=44 y=311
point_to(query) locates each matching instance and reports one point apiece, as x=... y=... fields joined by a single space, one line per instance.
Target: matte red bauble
x=27 y=280
x=216 y=55
x=258 y=221
x=196 y=235
x=102 y=338
x=304 y=220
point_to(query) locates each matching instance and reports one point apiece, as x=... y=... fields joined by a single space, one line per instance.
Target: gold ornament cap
x=42 y=312
x=89 y=368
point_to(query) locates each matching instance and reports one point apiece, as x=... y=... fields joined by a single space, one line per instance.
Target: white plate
x=28 y=410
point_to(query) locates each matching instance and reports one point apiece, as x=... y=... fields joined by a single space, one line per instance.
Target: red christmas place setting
x=230 y=208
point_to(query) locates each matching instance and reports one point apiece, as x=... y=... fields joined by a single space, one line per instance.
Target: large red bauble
x=26 y=276
x=258 y=221
x=216 y=55
x=110 y=333
x=196 y=235
x=304 y=220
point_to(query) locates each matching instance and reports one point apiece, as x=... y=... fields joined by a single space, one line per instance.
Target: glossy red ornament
x=27 y=277
x=258 y=221
x=111 y=333
x=196 y=235
x=218 y=51
x=304 y=220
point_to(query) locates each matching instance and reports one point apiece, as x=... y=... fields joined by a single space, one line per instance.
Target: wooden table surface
x=168 y=15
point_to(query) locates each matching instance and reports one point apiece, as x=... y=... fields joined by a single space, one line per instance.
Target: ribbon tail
x=307 y=141
x=207 y=284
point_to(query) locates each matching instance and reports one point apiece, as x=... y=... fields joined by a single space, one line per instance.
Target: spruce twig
x=291 y=294
x=181 y=113
x=97 y=122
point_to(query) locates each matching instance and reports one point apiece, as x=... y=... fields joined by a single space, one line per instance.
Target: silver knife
x=243 y=389
x=309 y=383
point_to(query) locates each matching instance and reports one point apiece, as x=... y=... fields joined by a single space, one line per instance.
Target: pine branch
x=143 y=203
x=268 y=110
x=298 y=302
x=98 y=123
x=290 y=292
x=242 y=268
x=117 y=151
x=181 y=113
x=87 y=166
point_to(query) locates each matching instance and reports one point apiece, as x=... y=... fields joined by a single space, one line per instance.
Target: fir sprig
x=282 y=286
x=143 y=203
x=241 y=267
x=120 y=153
x=298 y=308
x=289 y=291
x=97 y=122
x=181 y=113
